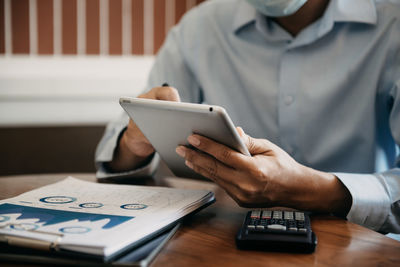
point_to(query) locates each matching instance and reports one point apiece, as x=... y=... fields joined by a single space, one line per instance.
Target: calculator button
x=281 y=222
x=303 y=230
x=277 y=215
x=288 y=215
x=255 y=214
x=299 y=216
x=293 y=229
x=266 y=214
x=277 y=227
x=251 y=227
x=260 y=227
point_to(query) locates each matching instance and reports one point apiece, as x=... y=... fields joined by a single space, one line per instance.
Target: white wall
x=38 y=91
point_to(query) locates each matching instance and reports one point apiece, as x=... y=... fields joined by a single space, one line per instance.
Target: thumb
x=255 y=145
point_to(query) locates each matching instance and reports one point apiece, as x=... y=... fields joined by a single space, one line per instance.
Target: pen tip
x=165 y=84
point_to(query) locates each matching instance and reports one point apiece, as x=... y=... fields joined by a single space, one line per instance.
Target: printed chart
x=47 y=217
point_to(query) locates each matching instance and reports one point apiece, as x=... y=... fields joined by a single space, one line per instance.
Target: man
x=318 y=81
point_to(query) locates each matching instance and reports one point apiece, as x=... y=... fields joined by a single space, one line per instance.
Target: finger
x=219 y=151
x=214 y=168
x=231 y=189
x=240 y=131
x=258 y=146
x=211 y=168
x=162 y=93
x=168 y=93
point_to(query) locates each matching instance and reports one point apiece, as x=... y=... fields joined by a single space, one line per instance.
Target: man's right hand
x=134 y=150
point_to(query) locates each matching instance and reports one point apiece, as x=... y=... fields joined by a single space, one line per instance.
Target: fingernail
x=240 y=131
x=193 y=141
x=189 y=164
x=180 y=151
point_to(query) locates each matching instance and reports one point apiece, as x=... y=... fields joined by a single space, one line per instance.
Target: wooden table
x=208 y=237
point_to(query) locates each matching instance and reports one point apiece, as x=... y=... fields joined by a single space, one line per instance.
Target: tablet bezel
x=167 y=124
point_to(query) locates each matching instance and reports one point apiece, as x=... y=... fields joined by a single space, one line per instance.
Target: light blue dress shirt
x=330 y=96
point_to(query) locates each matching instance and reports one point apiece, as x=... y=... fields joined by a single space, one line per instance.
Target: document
x=92 y=218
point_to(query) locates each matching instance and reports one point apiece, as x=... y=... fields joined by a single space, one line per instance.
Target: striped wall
x=87 y=27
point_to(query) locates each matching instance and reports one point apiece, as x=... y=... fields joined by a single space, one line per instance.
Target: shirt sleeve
x=170 y=66
x=376 y=197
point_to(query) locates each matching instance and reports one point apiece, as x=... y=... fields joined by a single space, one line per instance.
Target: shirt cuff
x=371 y=204
x=145 y=171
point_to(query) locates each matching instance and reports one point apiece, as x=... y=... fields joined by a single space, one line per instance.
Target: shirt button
x=289 y=100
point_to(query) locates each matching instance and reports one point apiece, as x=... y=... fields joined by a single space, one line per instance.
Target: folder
x=142 y=255
x=97 y=220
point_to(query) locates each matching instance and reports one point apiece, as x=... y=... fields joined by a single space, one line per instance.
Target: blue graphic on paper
x=75 y=230
x=24 y=226
x=134 y=206
x=58 y=199
x=50 y=217
x=91 y=205
x=4 y=218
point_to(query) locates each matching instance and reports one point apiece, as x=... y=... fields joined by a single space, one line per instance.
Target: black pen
x=165 y=85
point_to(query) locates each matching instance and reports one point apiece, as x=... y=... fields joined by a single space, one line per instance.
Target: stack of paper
x=92 y=218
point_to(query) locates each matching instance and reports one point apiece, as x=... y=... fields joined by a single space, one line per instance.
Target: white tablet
x=167 y=124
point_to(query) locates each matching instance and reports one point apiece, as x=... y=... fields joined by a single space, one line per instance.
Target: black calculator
x=277 y=230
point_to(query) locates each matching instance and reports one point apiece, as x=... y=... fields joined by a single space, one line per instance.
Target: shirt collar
x=245 y=15
x=361 y=11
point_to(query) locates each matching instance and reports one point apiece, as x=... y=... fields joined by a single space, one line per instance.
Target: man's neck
x=307 y=14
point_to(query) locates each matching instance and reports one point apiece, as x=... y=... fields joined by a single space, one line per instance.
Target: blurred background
x=63 y=66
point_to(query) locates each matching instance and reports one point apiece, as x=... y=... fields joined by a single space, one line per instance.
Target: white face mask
x=277 y=8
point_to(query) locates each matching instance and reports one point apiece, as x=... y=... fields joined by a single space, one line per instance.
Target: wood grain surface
x=37 y=149
x=207 y=238
x=159 y=24
x=69 y=27
x=115 y=27
x=20 y=26
x=2 y=31
x=92 y=27
x=45 y=27
x=137 y=27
